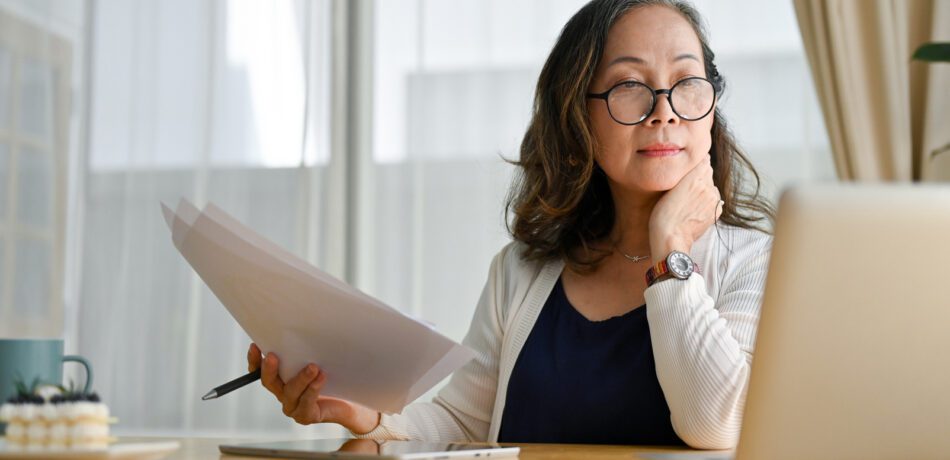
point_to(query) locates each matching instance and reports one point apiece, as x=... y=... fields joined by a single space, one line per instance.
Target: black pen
x=233 y=385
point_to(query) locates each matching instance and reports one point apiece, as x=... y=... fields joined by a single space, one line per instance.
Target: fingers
x=269 y=377
x=295 y=387
x=308 y=408
x=706 y=170
x=699 y=187
x=253 y=358
x=685 y=212
x=700 y=176
x=705 y=186
x=299 y=395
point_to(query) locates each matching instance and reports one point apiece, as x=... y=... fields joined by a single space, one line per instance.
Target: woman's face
x=654 y=45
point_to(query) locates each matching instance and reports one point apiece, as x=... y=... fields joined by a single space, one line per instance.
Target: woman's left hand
x=685 y=212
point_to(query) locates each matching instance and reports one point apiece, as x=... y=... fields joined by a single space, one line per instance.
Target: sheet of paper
x=372 y=353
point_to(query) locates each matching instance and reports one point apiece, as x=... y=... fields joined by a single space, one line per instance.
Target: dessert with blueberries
x=49 y=416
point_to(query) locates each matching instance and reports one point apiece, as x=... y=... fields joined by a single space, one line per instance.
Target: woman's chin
x=655 y=185
x=649 y=184
x=657 y=189
x=641 y=189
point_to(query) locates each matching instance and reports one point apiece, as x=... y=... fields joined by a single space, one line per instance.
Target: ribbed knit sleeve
x=703 y=346
x=462 y=411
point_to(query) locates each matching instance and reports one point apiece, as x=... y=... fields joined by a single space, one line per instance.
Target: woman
x=625 y=311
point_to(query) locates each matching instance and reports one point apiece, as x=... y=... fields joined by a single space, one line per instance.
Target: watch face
x=680 y=265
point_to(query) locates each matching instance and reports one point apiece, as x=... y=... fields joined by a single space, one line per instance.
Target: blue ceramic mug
x=29 y=360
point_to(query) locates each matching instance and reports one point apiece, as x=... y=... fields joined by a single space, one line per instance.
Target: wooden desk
x=207 y=448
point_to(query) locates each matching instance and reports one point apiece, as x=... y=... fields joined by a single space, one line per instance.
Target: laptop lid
x=852 y=356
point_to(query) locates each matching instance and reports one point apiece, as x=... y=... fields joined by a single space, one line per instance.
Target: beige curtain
x=885 y=113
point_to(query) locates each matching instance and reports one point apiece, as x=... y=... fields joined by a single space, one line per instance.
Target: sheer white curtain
x=453 y=87
x=222 y=101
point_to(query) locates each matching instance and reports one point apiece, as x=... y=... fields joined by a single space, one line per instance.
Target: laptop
x=852 y=355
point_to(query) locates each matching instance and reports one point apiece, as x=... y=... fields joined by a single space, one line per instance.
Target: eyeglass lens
x=632 y=102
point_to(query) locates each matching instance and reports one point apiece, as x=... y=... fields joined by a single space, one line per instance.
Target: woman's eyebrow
x=636 y=60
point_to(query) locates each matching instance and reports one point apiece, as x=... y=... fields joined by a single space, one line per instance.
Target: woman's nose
x=663 y=112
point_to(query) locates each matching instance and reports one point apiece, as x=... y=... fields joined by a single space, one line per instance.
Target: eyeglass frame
x=655 y=92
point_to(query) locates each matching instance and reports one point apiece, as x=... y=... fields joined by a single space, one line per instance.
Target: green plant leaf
x=933 y=52
x=21 y=387
x=944 y=149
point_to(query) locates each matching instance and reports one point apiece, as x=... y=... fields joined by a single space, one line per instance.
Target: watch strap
x=654 y=273
x=658 y=272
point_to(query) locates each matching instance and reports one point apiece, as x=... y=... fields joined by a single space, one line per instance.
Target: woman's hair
x=560 y=199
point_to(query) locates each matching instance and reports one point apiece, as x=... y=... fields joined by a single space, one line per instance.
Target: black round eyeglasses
x=630 y=102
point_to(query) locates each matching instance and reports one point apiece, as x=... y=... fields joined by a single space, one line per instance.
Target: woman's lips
x=660 y=152
x=660 y=149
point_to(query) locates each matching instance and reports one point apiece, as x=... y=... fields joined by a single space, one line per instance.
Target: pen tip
x=211 y=395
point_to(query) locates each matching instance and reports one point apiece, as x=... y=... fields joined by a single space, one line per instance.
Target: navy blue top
x=582 y=381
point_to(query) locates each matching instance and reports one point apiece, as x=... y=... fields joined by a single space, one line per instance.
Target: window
x=35 y=113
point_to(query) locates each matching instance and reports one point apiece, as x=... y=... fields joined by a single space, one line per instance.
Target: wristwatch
x=676 y=265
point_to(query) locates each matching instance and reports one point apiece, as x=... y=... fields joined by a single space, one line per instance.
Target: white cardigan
x=702 y=329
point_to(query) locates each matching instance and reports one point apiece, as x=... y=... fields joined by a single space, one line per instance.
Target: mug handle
x=85 y=364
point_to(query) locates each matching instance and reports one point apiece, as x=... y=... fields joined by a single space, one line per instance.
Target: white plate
x=120 y=450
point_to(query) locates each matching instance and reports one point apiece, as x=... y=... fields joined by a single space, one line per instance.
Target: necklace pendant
x=636 y=258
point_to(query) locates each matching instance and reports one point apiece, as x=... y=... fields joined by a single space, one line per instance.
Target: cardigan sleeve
x=703 y=347
x=462 y=410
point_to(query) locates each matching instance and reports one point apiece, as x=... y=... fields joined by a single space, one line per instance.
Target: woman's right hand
x=300 y=396
x=684 y=213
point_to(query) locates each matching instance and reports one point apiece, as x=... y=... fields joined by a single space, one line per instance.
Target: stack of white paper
x=372 y=354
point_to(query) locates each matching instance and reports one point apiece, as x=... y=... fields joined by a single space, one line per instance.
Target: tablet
x=352 y=449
